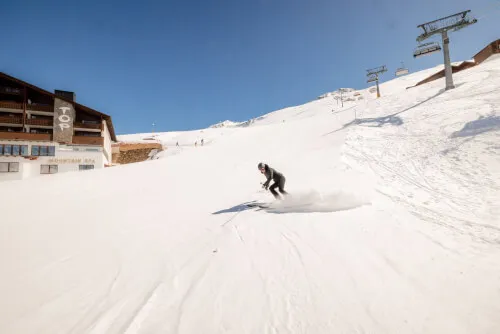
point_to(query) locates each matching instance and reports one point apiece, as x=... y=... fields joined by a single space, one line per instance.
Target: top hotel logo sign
x=64 y=115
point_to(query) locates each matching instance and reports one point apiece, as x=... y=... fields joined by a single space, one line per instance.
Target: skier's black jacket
x=272 y=174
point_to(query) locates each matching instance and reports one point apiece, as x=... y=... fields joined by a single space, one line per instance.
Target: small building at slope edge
x=47 y=133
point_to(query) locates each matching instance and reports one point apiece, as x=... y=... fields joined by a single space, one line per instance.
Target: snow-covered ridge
x=348 y=95
x=225 y=124
x=346 y=92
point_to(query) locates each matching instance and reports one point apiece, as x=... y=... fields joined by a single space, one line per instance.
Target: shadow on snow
x=392 y=119
x=305 y=203
x=236 y=208
x=471 y=129
x=481 y=125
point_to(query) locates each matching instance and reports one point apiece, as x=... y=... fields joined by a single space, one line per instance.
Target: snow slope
x=403 y=235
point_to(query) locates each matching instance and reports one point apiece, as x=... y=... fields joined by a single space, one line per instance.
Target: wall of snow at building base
x=66 y=158
x=107 y=144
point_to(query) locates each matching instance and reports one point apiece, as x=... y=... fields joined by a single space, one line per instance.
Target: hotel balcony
x=40 y=122
x=33 y=108
x=33 y=122
x=25 y=136
x=11 y=120
x=88 y=140
x=78 y=140
x=89 y=127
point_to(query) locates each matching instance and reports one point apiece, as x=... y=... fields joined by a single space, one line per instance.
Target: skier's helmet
x=260 y=166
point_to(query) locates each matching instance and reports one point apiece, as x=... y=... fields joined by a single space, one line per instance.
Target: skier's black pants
x=280 y=184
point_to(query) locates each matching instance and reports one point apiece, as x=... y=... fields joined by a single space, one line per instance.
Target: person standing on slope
x=277 y=177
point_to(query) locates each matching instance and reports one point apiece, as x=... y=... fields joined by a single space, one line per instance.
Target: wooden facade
x=441 y=74
x=28 y=112
x=488 y=51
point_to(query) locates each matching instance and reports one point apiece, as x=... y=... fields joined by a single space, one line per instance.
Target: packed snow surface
x=392 y=225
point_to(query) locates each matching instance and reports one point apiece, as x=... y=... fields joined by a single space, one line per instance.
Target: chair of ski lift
x=372 y=78
x=426 y=49
x=401 y=71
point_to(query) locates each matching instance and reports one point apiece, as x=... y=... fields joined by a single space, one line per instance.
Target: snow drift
x=313 y=201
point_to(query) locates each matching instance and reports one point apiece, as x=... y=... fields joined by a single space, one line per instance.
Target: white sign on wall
x=71 y=161
x=65 y=119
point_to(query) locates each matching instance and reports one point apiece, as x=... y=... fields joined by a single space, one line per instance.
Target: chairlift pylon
x=426 y=49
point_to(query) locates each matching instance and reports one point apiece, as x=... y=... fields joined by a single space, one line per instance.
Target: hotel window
x=13 y=167
x=8 y=149
x=86 y=167
x=35 y=150
x=43 y=150
x=15 y=150
x=48 y=169
x=24 y=150
x=9 y=167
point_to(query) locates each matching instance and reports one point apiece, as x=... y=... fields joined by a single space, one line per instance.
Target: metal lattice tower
x=372 y=75
x=342 y=91
x=443 y=26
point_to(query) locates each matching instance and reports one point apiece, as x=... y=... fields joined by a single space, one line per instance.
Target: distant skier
x=277 y=177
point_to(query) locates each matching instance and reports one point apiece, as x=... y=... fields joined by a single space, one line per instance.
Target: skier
x=277 y=177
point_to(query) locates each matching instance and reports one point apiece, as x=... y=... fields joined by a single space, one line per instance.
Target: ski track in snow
x=392 y=226
x=395 y=166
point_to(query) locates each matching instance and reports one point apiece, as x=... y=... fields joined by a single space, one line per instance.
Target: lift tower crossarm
x=449 y=23
x=443 y=26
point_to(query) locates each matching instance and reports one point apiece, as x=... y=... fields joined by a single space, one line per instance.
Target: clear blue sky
x=187 y=64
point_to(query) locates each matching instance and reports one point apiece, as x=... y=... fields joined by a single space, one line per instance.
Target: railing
x=40 y=121
x=11 y=120
x=32 y=107
x=87 y=126
x=87 y=140
x=11 y=105
x=39 y=107
x=25 y=136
